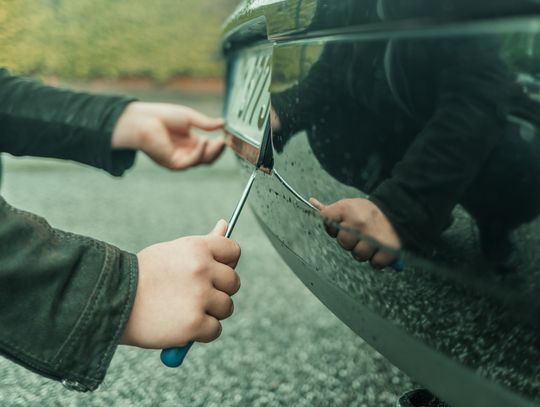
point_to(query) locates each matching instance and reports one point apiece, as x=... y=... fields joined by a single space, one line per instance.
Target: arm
x=66 y=301
x=412 y=207
x=469 y=113
x=43 y=121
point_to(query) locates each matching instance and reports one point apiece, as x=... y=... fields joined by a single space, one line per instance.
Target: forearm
x=43 y=121
x=437 y=169
x=64 y=299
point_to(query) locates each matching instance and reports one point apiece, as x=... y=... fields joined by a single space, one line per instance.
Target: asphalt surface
x=280 y=348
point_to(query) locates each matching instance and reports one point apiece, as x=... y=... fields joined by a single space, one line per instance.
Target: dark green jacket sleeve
x=64 y=299
x=43 y=121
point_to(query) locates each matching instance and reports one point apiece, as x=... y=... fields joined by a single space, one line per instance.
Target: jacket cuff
x=115 y=162
x=410 y=220
x=99 y=329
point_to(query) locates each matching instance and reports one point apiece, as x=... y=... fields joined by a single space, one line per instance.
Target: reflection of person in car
x=420 y=125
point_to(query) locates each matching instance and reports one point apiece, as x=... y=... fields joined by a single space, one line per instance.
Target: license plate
x=248 y=94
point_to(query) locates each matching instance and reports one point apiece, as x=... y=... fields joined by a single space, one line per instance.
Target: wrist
x=126 y=133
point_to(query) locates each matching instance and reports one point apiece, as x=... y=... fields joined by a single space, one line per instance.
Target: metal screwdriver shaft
x=241 y=202
x=173 y=357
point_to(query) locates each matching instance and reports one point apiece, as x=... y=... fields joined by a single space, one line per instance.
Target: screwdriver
x=173 y=357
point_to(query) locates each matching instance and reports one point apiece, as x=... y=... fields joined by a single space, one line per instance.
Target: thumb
x=317 y=204
x=219 y=229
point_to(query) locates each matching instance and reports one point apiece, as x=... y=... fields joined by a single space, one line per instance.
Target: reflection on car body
x=420 y=110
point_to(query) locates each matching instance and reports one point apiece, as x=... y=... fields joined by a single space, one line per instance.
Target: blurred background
x=88 y=39
x=282 y=347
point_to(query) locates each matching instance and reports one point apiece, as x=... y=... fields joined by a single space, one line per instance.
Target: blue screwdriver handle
x=398 y=265
x=173 y=357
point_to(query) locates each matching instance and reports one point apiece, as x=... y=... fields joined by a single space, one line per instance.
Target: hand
x=184 y=291
x=164 y=132
x=274 y=119
x=367 y=219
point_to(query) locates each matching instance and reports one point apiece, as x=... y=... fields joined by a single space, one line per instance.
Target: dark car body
x=414 y=105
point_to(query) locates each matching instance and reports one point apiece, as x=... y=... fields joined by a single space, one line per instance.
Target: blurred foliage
x=113 y=38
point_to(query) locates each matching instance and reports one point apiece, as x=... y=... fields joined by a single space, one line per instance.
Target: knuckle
x=238 y=283
x=219 y=330
x=377 y=264
x=199 y=269
x=358 y=257
x=237 y=250
x=231 y=309
x=214 y=332
x=196 y=321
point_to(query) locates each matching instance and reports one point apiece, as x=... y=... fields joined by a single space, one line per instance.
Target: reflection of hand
x=274 y=120
x=184 y=290
x=164 y=132
x=367 y=219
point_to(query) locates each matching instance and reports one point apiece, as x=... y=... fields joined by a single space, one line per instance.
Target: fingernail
x=219 y=221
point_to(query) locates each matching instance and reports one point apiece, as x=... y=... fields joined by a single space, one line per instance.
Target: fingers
x=346 y=241
x=225 y=279
x=360 y=215
x=331 y=230
x=181 y=159
x=203 y=122
x=363 y=251
x=208 y=329
x=224 y=250
x=317 y=204
x=220 y=229
x=179 y=118
x=382 y=259
x=221 y=306
x=213 y=150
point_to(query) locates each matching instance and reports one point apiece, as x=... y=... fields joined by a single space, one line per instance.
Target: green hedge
x=80 y=39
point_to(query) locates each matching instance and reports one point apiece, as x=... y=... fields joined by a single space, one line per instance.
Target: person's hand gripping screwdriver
x=184 y=290
x=174 y=357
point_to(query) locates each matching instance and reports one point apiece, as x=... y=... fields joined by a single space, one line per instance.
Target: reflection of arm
x=64 y=299
x=454 y=144
x=42 y=121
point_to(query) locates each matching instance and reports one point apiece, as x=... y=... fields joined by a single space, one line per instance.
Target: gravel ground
x=280 y=348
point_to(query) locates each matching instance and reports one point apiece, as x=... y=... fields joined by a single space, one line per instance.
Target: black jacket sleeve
x=64 y=299
x=471 y=106
x=43 y=121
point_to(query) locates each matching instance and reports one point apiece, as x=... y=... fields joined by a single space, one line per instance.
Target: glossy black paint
x=431 y=110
